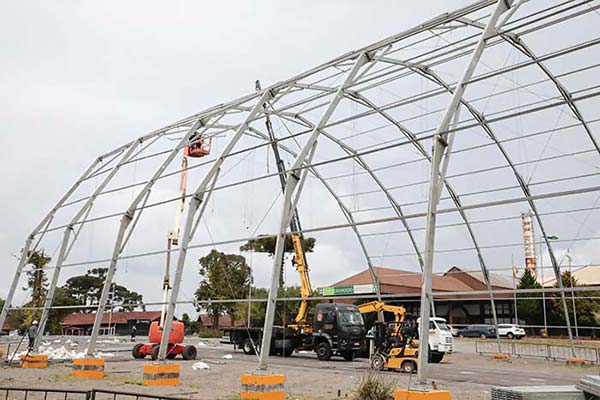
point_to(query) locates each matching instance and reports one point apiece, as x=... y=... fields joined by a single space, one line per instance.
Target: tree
x=87 y=290
x=37 y=283
x=285 y=312
x=531 y=310
x=587 y=309
x=224 y=276
x=266 y=244
x=56 y=315
x=36 y=277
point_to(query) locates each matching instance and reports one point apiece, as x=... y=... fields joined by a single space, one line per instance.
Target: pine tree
x=531 y=310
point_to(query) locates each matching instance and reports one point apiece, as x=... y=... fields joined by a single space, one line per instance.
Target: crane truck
x=197 y=147
x=335 y=329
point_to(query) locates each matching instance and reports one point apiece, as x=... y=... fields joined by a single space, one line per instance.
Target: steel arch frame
x=201 y=197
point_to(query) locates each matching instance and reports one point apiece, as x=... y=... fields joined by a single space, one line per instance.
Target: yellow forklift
x=396 y=346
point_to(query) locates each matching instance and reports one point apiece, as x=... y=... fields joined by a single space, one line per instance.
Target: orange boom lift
x=197 y=147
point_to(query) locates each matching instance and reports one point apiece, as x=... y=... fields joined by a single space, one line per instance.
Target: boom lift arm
x=196 y=148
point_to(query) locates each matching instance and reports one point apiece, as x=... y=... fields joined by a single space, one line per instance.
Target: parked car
x=511 y=331
x=453 y=330
x=482 y=331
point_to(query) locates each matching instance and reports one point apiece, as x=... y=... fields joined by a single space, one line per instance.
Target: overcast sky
x=81 y=78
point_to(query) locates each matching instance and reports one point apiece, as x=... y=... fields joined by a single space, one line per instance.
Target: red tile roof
x=116 y=318
x=404 y=279
x=8 y=326
x=224 y=321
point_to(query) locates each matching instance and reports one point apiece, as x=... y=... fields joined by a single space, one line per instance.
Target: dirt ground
x=466 y=374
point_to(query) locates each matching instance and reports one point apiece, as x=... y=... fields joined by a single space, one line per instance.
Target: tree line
x=530 y=307
x=82 y=291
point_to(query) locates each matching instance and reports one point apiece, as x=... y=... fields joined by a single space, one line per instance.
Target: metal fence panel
x=545 y=350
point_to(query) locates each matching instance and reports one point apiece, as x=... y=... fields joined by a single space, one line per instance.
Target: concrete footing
x=161 y=375
x=88 y=368
x=575 y=361
x=34 y=360
x=406 y=394
x=263 y=387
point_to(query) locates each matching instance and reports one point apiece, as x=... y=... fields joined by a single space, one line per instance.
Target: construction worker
x=133 y=332
x=32 y=333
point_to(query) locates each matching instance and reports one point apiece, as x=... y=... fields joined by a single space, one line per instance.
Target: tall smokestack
x=529 y=242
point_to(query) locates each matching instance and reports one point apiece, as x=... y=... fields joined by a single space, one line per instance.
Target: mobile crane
x=197 y=147
x=335 y=329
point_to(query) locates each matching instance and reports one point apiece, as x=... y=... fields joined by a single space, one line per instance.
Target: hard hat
x=34 y=322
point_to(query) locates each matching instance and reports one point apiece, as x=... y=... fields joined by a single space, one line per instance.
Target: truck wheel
x=436 y=357
x=287 y=352
x=189 y=353
x=377 y=362
x=136 y=351
x=323 y=351
x=348 y=356
x=408 y=367
x=248 y=346
x=510 y=335
x=154 y=352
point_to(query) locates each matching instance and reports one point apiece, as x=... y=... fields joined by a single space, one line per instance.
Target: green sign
x=346 y=290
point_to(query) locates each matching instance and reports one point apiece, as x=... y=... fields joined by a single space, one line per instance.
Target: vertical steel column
x=194 y=204
x=121 y=240
x=292 y=182
x=67 y=234
x=27 y=248
x=441 y=141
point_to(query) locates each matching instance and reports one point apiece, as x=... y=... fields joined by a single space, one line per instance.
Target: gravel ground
x=466 y=374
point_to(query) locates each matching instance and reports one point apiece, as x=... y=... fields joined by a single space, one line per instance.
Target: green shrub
x=375 y=387
x=209 y=333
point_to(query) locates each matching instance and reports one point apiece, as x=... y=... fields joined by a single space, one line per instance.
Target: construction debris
x=62 y=353
x=200 y=365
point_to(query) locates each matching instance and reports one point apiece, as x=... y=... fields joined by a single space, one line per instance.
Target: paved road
x=464 y=366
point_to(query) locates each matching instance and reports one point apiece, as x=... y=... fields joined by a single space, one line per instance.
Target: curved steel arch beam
x=514 y=40
x=30 y=246
x=363 y=164
x=522 y=183
x=417 y=144
x=395 y=206
x=347 y=214
x=64 y=246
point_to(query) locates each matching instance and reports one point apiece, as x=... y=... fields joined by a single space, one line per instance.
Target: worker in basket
x=198 y=146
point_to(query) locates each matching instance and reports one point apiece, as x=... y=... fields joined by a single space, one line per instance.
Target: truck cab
x=440 y=339
x=338 y=329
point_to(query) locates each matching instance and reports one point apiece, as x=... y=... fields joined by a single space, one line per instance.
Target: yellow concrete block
x=263 y=387
x=34 y=361
x=161 y=375
x=501 y=356
x=88 y=368
x=250 y=379
x=405 y=394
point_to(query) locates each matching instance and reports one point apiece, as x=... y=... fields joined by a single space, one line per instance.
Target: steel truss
x=312 y=101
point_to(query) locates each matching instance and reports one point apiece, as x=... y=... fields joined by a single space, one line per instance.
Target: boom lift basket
x=198 y=146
